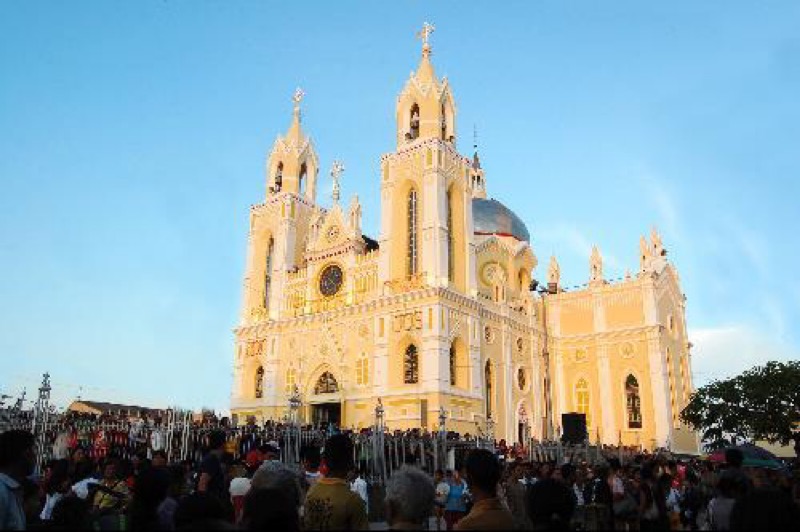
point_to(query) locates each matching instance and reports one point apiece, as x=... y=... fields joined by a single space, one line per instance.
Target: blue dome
x=490 y=217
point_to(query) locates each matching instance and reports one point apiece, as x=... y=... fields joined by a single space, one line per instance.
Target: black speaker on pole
x=574 y=428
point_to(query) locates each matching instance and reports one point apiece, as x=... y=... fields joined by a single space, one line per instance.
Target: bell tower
x=425 y=108
x=293 y=165
x=426 y=185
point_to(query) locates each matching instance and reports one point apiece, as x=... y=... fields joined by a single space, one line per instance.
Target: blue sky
x=133 y=138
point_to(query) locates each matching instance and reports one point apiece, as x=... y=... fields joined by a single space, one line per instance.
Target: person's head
x=277 y=475
x=438 y=475
x=216 y=440
x=734 y=457
x=339 y=455
x=311 y=458
x=110 y=470
x=568 y=474
x=614 y=464
x=456 y=475
x=269 y=509
x=409 y=497
x=483 y=472
x=271 y=451
x=78 y=455
x=17 y=453
x=159 y=459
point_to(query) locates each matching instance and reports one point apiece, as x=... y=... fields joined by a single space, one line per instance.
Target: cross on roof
x=425 y=33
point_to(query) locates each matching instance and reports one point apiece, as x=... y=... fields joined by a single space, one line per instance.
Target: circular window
x=522 y=378
x=330 y=280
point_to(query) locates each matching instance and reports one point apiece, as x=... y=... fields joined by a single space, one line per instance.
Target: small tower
x=293 y=165
x=425 y=107
x=478 y=179
x=596 y=268
x=645 y=255
x=553 y=275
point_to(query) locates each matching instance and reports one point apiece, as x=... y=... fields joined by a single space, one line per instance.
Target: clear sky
x=133 y=139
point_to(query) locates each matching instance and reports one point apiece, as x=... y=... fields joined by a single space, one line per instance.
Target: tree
x=762 y=403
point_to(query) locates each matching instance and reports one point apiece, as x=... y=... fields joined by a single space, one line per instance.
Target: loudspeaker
x=574 y=428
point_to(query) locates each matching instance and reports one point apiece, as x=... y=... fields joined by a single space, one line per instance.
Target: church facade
x=439 y=311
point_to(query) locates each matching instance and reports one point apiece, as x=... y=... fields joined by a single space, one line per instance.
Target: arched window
x=412 y=232
x=633 y=403
x=301 y=181
x=487 y=379
x=268 y=272
x=411 y=365
x=452 y=365
x=326 y=384
x=279 y=177
x=582 y=400
x=451 y=249
x=413 y=122
x=259 y=384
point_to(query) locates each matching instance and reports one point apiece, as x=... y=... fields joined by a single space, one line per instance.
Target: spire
x=425 y=70
x=596 y=267
x=295 y=133
x=476 y=162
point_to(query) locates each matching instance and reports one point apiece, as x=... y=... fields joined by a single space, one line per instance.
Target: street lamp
x=490 y=430
x=442 y=419
x=294 y=404
x=379 y=415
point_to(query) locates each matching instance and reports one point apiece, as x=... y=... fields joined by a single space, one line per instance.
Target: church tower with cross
x=438 y=311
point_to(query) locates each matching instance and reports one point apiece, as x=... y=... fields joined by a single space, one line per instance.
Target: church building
x=440 y=310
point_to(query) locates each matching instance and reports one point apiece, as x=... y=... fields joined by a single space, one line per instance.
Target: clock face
x=330 y=281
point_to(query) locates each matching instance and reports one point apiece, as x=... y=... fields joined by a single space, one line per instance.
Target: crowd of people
x=328 y=492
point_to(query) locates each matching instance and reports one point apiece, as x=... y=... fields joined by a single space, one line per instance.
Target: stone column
x=607 y=391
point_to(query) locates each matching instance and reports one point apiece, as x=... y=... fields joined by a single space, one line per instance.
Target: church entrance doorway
x=324 y=413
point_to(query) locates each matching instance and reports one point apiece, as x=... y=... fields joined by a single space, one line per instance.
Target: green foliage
x=762 y=403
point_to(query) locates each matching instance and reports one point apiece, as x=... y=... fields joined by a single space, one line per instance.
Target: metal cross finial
x=336 y=171
x=297 y=97
x=425 y=33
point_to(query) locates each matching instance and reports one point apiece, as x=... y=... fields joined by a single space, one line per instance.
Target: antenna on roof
x=475 y=136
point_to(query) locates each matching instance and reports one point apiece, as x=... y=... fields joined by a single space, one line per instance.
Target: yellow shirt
x=487 y=514
x=330 y=505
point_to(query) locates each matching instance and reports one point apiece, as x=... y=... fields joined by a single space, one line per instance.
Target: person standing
x=442 y=489
x=17 y=460
x=212 y=474
x=330 y=505
x=455 y=508
x=359 y=487
x=487 y=513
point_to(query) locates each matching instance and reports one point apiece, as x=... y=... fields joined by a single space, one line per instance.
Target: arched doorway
x=324 y=412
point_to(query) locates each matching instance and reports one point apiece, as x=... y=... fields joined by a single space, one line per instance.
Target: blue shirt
x=12 y=516
x=455 y=499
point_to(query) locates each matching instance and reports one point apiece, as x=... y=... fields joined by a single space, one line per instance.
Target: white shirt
x=359 y=486
x=239 y=486
x=49 y=504
x=442 y=491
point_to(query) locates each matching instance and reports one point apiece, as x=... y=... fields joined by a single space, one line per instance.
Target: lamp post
x=41 y=415
x=490 y=432
x=294 y=424
x=378 y=447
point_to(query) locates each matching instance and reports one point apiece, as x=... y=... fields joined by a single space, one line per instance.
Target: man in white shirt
x=17 y=460
x=442 y=490
x=359 y=487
